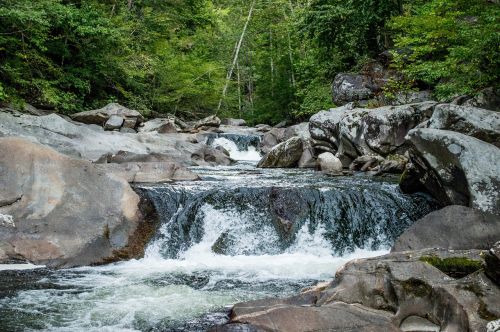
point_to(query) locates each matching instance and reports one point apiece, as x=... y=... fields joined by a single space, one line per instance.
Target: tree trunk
x=236 y=54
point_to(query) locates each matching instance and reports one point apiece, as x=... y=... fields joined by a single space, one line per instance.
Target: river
x=240 y=234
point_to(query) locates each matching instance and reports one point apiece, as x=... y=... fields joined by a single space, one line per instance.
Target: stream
x=240 y=234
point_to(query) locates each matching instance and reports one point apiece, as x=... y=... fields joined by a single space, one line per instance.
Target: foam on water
x=234 y=152
x=187 y=289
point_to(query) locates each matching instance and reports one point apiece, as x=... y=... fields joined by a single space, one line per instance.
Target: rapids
x=242 y=233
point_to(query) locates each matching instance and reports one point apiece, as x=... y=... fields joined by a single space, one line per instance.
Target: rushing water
x=239 y=234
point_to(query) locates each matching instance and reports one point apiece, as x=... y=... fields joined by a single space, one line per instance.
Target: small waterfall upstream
x=242 y=233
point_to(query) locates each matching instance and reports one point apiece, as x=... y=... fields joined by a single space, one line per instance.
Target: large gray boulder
x=354 y=132
x=476 y=122
x=283 y=155
x=456 y=169
x=454 y=227
x=100 y=116
x=396 y=292
x=65 y=212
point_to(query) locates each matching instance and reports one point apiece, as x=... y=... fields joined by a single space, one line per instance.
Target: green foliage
x=174 y=56
x=450 y=44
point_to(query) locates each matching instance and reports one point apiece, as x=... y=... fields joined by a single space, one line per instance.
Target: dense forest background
x=263 y=60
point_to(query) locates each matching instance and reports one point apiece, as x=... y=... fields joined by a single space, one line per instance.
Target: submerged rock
x=454 y=227
x=283 y=155
x=66 y=212
x=455 y=168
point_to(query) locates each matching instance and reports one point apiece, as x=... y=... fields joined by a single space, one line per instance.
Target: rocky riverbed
x=108 y=185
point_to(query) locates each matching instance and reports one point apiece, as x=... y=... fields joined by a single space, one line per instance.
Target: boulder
x=347 y=88
x=263 y=127
x=207 y=155
x=307 y=159
x=412 y=97
x=329 y=164
x=283 y=155
x=83 y=141
x=396 y=292
x=476 y=122
x=234 y=122
x=492 y=259
x=323 y=126
x=160 y=125
x=454 y=227
x=392 y=166
x=272 y=138
x=114 y=122
x=65 y=212
x=209 y=121
x=488 y=98
x=150 y=172
x=100 y=116
x=456 y=169
x=366 y=163
x=354 y=132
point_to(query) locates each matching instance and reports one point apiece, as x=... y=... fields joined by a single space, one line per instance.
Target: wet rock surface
x=388 y=293
x=65 y=212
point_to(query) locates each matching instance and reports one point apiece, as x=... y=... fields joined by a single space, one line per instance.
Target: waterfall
x=240 y=147
x=240 y=234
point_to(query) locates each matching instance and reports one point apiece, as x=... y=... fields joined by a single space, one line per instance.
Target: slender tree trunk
x=130 y=4
x=236 y=54
x=272 y=61
x=239 y=88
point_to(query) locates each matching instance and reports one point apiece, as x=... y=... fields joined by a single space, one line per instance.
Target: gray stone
x=388 y=293
x=207 y=155
x=476 y=122
x=283 y=155
x=82 y=141
x=454 y=227
x=492 y=259
x=67 y=212
x=456 y=169
x=114 y=122
x=209 y=121
x=234 y=122
x=160 y=125
x=347 y=88
x=100 y=116
x=488 y=98
x=329 y=164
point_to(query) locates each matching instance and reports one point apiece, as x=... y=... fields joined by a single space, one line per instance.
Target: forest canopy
x=263 y=60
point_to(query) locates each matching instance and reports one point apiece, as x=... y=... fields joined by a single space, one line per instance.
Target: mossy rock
x=455 y=267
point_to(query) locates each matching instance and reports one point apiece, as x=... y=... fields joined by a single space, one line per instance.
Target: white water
x=191 y=291
x=153 y=292
x=250 y=155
